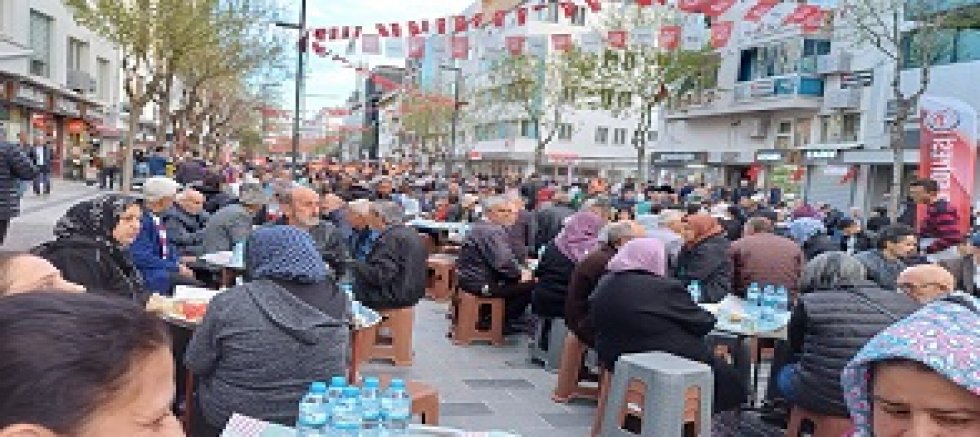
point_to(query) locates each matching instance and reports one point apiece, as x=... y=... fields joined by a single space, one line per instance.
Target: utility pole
x=451 y=156
x=300 y=55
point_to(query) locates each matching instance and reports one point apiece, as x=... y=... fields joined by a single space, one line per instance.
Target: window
x=103 y=78
x=77 y=53
x=564 y=131
x=579 y=18
x=528 y=129
x=652 y=136
x=40 y=40
x=619 y=136
x=625 y=100
x=850 y=126
x=601 y=135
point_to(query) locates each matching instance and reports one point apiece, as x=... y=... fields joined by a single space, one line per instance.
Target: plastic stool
x=823 y=426
x=396 y=345
x=466 y=315
x=441 y=278
x=669 y=392
x=569 y=373
x=546 y=346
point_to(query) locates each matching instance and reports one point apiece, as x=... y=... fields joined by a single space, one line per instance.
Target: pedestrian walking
x=15 y=167
x=41 y=156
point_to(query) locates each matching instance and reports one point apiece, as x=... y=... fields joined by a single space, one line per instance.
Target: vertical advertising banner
x=948 y=150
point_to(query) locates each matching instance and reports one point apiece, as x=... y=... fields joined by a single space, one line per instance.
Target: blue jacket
x=158 y=165
x=146 y=254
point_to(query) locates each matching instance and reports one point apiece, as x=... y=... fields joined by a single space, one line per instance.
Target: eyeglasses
x=908 y=287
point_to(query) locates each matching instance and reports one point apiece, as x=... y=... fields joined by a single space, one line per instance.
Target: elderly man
x=487 y=266
x=926 y=282
x=185 y=222
x=666 y=227
x=394 y=273
x=765 y=258
x=362 y=237
x=521 y=234
x=153 y=252
x=301 y=208
x=232 y=223
x=964 y=268
x=549 y=219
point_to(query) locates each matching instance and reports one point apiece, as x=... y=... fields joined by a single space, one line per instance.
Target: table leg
x=352 y=371
x=188 y=401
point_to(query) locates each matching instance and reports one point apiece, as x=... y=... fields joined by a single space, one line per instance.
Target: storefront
x=829 y=179
x=73 y=134
x=689 y=167
x=779 y=168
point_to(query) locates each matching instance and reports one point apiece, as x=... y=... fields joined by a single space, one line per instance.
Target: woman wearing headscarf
x=811 y=234
x=261 y=343
x=703 y=257
x=578 y=237
x=921 y=375
x=90 y=247
x=637 y=309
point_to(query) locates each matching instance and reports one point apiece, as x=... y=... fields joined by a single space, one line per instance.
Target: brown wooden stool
x=466 y=315
x=396 y=344
x=440 y=283
x=823 y=426
x=569 y=373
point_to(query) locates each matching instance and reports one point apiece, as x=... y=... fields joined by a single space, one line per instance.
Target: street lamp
x=456 y=102
x=300 y=52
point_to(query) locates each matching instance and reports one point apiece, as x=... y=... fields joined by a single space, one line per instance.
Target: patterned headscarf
x=802 y=229
x=645 y=254
x=942 y=336
x=580 y=235
x=94 y=219
x=285 y=253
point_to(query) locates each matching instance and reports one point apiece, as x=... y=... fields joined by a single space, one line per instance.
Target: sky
x=328 y=83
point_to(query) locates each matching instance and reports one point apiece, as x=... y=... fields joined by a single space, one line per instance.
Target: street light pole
x=455 y=121
x=300 y=52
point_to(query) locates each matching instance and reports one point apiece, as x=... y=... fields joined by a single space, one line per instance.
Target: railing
x=795 y=85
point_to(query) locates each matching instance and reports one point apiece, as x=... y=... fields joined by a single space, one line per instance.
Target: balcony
x=80 y=82
x=834 y=63
x=847 y=98
x=780 y=87
x=695 y=99
x=794 y=91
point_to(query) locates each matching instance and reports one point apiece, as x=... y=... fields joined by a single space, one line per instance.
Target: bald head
x=191 y=201
x=302 y=207
x=926 y=282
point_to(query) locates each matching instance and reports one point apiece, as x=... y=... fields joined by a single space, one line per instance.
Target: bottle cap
x=351 y=392
x=318 y=387
x=371 y=382
x=397 y=383
x=338 y=381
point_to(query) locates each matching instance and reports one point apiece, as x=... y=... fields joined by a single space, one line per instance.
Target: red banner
x=948 y=151
x=755 y=13
x=800 y=13
x=594 y=5
x=561 y=41
x=813 y=22
x=617 y=39
x=721 y=32
x=718 y=7
x=693 y=6
x=461 y=47
x=460 y=23
x=382 y=30
x=515 y=45
x=396 y=30
x=441 y=26
x=521 y=16
x=499 y=18
x=478 y=19
x=670 y=37
x=416 y=47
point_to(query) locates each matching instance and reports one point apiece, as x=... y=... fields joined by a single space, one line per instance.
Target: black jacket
x=827 y=329
x=708 y=262
x=395 y=272
x=548 y=223
x=485 y=258
x=48 y=156
x=92 y=265
x=553 y=274
x=818 y=244
x=215 y=200
x=638 y=312
x=14 y=167
x=186 y=231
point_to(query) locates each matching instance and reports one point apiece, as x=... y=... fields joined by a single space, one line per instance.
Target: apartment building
x=56 y=77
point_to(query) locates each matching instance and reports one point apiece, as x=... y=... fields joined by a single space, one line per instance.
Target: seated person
x=90 y=247
x=362 y=237
x=918 y=377
x=964 y=268
x=487 y=266
x=926 y=282
x=554 y=270
x=185 y=222
x=233 y=222
x=395 y=272
x=106 y=361
x=22 y=273
x=895 y=244
x=301 y=208
x=153 y=254
x=837 y=313
x=637 y=309
x=291 y=309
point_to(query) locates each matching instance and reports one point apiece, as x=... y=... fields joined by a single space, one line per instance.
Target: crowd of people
x=612 y=261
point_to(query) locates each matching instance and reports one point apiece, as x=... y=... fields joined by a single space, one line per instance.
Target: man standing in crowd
x=940 y=232
x=550 y=219
x=41 y=156
x=764 y=258
x=191 y=169
x=383 y=190
x=486 y=265
x=109 y=171
x=852 y=238
x=157 y=162
x=964 y=268
x=301 y=208
x=185 y=222
x=233 y=222
x=394 y=273
x=895 y=242
x=15 y=167
x=153 y=252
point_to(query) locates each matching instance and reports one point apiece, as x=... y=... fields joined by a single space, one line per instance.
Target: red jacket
x=941 y=222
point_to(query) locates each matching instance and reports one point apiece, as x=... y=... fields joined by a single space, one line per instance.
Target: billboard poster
x=948 y=151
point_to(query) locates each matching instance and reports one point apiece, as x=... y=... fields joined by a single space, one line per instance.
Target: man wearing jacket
x=301 y=208
x=15 y=167
x=394 y=273
x=940 y=232
x=883 y=265
x=153 y=253
x=185 y=222
x=41 y=156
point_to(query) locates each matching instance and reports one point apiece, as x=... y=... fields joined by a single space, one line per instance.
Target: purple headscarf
x=579 y=236
x=645 y=254
x=805 y=211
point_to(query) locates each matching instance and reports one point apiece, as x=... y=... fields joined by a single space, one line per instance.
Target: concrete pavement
x=38 y=214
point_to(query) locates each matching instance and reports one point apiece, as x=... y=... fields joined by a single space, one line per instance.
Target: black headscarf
x=95 y=219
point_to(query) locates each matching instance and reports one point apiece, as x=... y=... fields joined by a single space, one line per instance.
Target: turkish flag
x=441 y=26
x=478 y=19
x=413 y=28
x=425 y=26
x=460 y=23
x=521 y=16
x=515 y=45
x=594 y=5
x=345 y=33
x=813 y=22
x=357 y=32
x=800 y=13
x=396 y=30
x=461 y=47
x=416 y=47
x=670 y=36
x=561 y=41
x=693 y=6
x=643 y=3
x=382 y=30
x=755 y=13
x=320 y=34
x=333 y=33
x=718 y=7
x=721 y=32
x=617 y=39
x=569 y=9
x=499 y=17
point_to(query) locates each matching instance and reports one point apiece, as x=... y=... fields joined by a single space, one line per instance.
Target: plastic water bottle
x=371 y=407
x=347 y=414
x=768 y=304
x=782 y=299
x=312 y=418
x=396 y=407
x=335 y=391
x=695 y=289
x=238 y=254
x=753 y=299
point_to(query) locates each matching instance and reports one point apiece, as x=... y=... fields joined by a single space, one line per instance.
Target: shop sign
x=770 y=155
x=31 y=95
x=68 y=107
x=678 y=158
x=819 y=155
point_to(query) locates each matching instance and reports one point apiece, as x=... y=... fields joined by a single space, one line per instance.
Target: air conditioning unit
x=834 y=63
x=80 y=82
x=758 y=127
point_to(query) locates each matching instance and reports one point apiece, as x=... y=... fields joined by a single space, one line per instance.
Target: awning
x=832 y=146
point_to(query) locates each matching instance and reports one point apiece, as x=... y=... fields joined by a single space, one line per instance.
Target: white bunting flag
x=394 y=47
x=591 y=42
x=642 y=36
x=537 y=45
